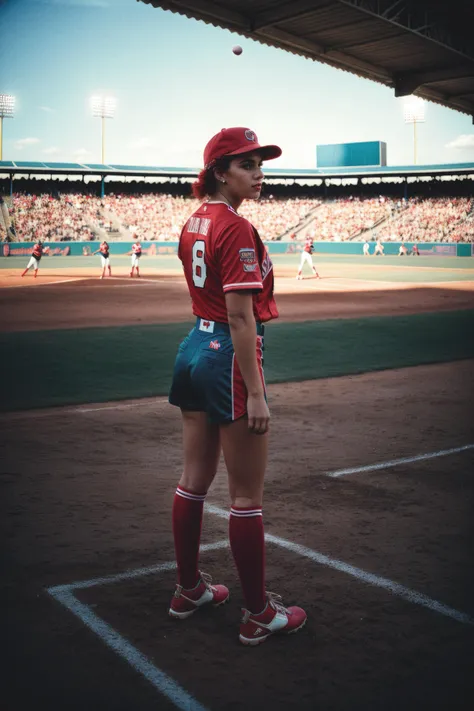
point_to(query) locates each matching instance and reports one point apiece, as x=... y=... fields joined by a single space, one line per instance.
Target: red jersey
x=221 y=252
x=137 y=249
x=104 y=249
x=37 y=252
x=308 y=247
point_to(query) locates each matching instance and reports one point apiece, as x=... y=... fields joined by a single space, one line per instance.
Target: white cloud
x=82 y=154
x=463 y=142
x=52 y=151
x=48 y=109
x=23 y=142
x=140 y=143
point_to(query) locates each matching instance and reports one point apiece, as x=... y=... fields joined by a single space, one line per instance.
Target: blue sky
x=177 y=82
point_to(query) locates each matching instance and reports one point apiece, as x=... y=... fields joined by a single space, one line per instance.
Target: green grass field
x=46 y=368
x=97 y=364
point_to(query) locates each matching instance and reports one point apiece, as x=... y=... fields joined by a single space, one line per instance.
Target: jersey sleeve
x=237 y=256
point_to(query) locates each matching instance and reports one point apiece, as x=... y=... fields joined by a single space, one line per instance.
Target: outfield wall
x=76 y=249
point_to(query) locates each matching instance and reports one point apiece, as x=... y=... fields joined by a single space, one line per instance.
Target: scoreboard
x=354 y=155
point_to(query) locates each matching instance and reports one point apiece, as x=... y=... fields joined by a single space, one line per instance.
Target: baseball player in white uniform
x=136 y=254
x=104 y=250
x=378 y=248
x=308 y=250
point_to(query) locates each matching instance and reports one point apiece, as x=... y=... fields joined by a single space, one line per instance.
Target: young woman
x=218 y=383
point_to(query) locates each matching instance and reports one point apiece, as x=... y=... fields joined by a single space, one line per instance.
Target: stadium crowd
x=429 y=220
x=340 y=220
x=150 y=216
x=161 y=217
x=51 y=219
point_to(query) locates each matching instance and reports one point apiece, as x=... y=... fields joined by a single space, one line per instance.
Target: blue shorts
x=206 y=374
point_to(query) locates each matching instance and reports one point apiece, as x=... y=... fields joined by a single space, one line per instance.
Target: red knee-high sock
x=187 y=522
x=248 y=548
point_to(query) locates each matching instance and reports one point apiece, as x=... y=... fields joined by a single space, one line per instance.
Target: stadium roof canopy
x=14 y=169
x=422 y=47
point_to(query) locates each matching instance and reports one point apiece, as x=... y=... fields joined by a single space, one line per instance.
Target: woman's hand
x=258 y=414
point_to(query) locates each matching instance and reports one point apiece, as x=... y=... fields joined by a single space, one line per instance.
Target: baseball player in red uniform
x=219 y=385
x=136 y=254
x=308 y=250
x=104 y=250
x=35 y=258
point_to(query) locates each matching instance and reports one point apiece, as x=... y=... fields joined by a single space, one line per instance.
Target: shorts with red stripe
x=206 y=374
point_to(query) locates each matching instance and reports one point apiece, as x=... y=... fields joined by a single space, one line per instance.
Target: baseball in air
x=237 y=49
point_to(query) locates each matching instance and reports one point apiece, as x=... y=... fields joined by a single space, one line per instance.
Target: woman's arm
x=244 y=338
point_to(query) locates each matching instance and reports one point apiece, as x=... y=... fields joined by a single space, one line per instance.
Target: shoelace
x=276 y=602
x=206 y=579
x=203 y=577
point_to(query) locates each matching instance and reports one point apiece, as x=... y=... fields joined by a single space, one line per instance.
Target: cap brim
x=268 y=152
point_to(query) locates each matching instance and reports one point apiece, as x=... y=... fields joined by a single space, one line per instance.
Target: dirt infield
x=89 y=491
x=381 y=559
x=76 y=298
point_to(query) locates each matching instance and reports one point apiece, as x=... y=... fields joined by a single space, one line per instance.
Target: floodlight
x=414 y=112
x=103 y=107
x=7 y=108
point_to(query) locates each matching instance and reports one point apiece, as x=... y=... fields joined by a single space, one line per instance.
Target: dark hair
x=206 y=183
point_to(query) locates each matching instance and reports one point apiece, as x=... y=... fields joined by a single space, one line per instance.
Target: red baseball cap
x=234 y=141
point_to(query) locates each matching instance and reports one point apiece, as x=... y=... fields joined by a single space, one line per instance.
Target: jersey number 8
x=199 y=265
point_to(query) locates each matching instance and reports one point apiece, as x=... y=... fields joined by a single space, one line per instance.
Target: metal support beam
x=397 y=4
x=406 y=83
x=416 y=18
x=291 y=11
x=355 y=45
x=317 y=51
x=293 y=42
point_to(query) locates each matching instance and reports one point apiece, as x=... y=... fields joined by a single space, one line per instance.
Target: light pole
x=414 y=111
x=7 y=107
x=103 y=108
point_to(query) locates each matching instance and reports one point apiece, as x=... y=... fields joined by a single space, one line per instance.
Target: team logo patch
x=247 y=256
x=215 y=345
x=250 y=136
x=250 y=267
x=206 y=325
x=267 y=266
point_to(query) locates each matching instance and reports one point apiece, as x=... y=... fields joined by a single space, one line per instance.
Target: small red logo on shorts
x=206 y=324
x=215 y=344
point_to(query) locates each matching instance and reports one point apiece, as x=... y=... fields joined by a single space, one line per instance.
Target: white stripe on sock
x=188 y=495
x=248 y=513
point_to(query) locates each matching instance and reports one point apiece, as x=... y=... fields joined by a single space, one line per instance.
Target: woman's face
x=244 y=177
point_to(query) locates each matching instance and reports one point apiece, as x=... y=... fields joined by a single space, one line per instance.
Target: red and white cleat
x=185 y=602
x=274 y=619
